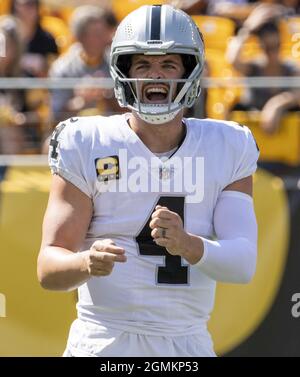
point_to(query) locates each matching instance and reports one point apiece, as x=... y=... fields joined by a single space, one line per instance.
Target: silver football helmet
x=157 y=30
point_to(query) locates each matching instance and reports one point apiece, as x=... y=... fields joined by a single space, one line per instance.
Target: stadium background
x=259 y=319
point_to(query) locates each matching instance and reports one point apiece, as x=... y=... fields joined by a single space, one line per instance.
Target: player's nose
x=155 y=72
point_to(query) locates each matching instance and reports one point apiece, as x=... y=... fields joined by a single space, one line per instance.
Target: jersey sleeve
x=246 y=155
x=67 y=157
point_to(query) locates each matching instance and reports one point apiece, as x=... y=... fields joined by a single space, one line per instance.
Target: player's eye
x=142 y=66
x=170 y=66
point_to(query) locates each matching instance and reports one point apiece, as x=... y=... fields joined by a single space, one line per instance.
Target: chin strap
x=158 y=118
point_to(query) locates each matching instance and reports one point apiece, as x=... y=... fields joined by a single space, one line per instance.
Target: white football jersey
x=153 y=292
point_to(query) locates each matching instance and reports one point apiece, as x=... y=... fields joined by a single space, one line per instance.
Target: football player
x=147 y=210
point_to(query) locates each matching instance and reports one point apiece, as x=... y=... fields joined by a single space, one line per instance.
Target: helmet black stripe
x=155 y=22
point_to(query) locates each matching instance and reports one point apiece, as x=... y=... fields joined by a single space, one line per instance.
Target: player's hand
x=100 y=259
x=167 y=230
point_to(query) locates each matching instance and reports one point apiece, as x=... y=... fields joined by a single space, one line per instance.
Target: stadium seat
x=66 y=13
x=290 y=39
x=216 y=31
x=282 y=146
x=289 y=29
x=122 y=8
x=59 y=30
x=219 y=65
x=91 y=111
x=39 y=99
x=5 y=6
x=221 y=98
x=251 y=49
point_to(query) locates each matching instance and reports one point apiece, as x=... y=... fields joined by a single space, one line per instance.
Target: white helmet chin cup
x=149 y=117
x=157 y=30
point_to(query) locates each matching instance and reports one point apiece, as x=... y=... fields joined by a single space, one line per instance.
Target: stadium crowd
x=43 y=38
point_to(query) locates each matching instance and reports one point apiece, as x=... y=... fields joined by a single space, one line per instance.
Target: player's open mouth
x=156 y=94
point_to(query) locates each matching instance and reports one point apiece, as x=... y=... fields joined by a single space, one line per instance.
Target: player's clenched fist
x=101 y=257
x=167 y=230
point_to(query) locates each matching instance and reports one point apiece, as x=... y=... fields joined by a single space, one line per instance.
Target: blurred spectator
x=272 y=102
x=93 y=29
x=5 y=6
x=293 y=6
x=229 y=8
x=237 y=10
x=41 y=48
x=191 y=6
x=18 y=121
x=11 y=101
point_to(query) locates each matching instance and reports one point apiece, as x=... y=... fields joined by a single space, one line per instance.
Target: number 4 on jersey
x=173 y=272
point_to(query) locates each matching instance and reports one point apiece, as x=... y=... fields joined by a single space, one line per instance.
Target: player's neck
x=159 y=138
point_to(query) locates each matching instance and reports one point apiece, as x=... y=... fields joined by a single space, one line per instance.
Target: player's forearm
x=231 y=258
x=231 y=261
x=61 y=269
x=194 y=249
